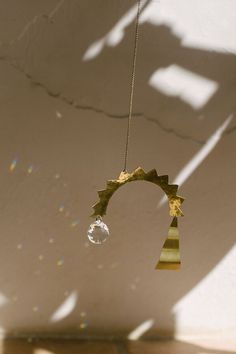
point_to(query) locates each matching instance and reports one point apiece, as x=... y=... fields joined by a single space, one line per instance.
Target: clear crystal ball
x=98 y=232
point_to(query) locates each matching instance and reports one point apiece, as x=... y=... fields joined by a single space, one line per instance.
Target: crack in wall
x=71 y=102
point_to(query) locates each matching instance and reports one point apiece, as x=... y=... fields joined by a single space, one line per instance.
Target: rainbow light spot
x=30 y=169
x=13 y=165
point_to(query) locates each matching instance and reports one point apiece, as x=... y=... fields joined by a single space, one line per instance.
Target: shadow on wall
x=61 y=346
x=159 y=49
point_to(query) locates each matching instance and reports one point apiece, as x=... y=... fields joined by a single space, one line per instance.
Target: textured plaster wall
x=65 y=75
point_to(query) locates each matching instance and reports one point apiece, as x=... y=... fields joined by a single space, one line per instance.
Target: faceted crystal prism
x=98 y=232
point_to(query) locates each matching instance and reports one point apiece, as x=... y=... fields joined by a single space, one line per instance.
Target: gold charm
x=170 y=256
x=139 y=174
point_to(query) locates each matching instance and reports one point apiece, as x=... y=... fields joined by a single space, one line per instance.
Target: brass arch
x=170 y=258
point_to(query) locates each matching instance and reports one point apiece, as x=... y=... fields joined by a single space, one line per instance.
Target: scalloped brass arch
x=170 y=257
x=139 y=174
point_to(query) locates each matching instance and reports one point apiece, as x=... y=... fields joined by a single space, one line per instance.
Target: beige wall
x=65 y=73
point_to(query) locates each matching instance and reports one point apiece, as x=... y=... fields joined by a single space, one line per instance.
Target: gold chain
x=132 y=84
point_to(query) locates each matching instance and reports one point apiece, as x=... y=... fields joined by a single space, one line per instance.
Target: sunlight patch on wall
x=43 y=351
x=191 y=88
x=139 y=331
x=200 y=156
x=3 y=300
x=114 y=36
x=210 y=306
x=196 y=23
x=218 y=342
x=2 y=334
x=65 y=309
x=193 y=164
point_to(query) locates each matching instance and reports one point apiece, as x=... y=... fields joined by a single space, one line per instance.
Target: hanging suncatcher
x=98 y=230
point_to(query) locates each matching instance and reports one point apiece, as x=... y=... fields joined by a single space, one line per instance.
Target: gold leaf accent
x=174 y=205
x=139 y=174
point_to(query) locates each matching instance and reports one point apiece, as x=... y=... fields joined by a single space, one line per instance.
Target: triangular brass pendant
x=170 y=255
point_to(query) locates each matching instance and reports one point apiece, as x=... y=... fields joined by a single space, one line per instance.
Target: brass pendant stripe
x=170 y=254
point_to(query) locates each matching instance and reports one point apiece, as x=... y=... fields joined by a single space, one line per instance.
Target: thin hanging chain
x=132 y=85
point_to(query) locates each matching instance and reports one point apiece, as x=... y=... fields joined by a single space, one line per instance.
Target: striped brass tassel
x=170 y=255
